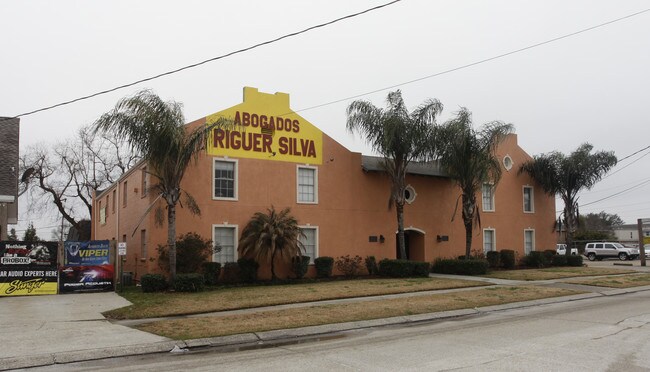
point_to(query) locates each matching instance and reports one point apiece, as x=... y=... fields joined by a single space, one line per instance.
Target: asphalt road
x=601 y=334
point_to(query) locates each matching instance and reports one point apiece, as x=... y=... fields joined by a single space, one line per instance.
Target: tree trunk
x=469 y=226
x=401 y=241
x=273 y=251
x=171 y=241
x=568 y=223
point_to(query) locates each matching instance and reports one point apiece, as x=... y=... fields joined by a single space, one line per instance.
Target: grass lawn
x=151 y=305
x=554 y=273
x=623 y=281
x=210 y=326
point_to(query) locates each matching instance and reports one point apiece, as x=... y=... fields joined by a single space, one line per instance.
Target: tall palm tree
x=156 y=129
x=468 y=157
x=400 y=137
x=268 y=234
x=566 y=176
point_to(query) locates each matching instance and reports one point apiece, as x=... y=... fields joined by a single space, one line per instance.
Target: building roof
x=430 y=168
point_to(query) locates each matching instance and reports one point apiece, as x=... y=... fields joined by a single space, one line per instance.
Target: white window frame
x=492 y=198
x=315 y=169
x=494 y=239
x=532 y=199
x=316 y=234
x=532 y=242
x=234 y=237
x=235 y=196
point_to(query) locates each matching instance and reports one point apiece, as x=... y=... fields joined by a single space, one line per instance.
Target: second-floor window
x=225 y=179
x=488 y=197
x=307 y=185
x=529 y=206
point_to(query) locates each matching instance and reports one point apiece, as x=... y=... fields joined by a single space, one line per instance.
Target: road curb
x=283 y=334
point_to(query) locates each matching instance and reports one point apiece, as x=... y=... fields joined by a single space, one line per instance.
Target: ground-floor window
x=310 y=242
x=489 y=239
x=225 y=238
x=529 y=241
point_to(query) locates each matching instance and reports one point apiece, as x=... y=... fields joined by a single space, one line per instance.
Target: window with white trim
x=225 y=179
x=529 y=205
x=489 y=240
x=307 y=186
x=529 y=241
x=225 y=238
x=309 y=242
x=488 y=197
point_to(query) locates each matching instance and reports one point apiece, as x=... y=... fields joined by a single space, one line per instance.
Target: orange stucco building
x=277 y=158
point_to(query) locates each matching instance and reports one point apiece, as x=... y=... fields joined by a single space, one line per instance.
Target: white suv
x=598 y=251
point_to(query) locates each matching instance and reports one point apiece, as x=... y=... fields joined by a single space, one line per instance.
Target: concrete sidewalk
x=46 y=330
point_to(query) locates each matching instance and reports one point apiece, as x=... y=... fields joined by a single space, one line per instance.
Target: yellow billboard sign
x=266 y=128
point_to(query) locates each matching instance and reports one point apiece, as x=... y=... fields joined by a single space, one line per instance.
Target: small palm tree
x=400 y=137
x=156 y=129
x=268 y=234
x=468 y=157
x=566 y=176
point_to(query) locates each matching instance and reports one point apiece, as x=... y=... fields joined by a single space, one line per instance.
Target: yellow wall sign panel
x=22 y=287
x=266 y=128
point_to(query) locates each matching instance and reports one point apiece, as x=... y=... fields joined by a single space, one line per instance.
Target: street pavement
x=59 y=329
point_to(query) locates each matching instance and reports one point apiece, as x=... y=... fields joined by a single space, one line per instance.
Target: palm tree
x=268 y=234
x=400 y=137
x=156 y=129
x=566 y=176
x=468 y=157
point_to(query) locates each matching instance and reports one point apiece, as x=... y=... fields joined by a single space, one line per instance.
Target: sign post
x=121 y=252
x=641 y=222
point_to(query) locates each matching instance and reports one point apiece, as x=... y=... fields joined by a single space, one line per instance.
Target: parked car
x=598 y=251
x=561 y=249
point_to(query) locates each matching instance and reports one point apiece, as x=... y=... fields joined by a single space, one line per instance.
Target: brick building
x=339 y=197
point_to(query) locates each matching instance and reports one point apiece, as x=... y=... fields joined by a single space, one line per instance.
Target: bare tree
x=63 y=176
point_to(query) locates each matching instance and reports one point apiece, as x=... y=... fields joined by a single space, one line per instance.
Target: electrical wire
x=296 y=33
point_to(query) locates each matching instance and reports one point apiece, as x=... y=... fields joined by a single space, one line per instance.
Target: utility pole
x=640 y=223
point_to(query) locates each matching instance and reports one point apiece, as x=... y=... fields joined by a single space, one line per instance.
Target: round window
x=410 y=194
x=507 y=162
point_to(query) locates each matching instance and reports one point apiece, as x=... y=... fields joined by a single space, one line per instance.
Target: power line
x=618 y=170
x=618 y=193
x=296 y=33
x=480 y=61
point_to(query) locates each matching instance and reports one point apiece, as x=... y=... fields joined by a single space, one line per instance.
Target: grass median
x=211 y=326
x=623 y=281
x=152 y=305
x=553 y=273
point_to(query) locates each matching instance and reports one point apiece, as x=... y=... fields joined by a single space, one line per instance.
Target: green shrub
x=395 y=268
x=324 y=266
x=230 y=272
x=153 y=283
x=349 y=266
x=558 y=260
x=248 y=270
x=211 y=272
x=460 y=267
x=493 y=259
x=549 y=253
x=507 y=258
x=191 y=252
x=299 y=266
x=193 y=282
x=574 y=260
x=371 y=265
x=420 y=269
x=536 y=259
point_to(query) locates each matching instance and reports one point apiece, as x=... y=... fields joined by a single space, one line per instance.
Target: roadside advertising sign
x=86 y=267
x=28 y=268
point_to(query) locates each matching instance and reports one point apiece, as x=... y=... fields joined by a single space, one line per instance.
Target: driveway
x=37 y=325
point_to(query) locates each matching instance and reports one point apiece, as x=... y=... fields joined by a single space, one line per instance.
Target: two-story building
x=340 y=198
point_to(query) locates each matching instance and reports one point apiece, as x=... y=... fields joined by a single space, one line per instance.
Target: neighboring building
x=339 y=197
x=9 y=140
x=629 y=234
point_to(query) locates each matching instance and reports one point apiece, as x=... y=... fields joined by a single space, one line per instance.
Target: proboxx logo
x=15 y=260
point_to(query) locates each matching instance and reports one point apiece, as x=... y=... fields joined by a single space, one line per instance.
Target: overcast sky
x=592 y=87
